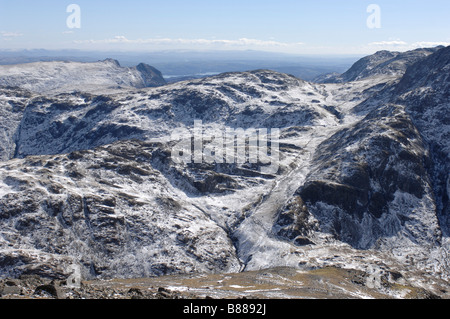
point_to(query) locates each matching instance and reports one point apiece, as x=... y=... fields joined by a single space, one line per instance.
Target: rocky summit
x=88 y=176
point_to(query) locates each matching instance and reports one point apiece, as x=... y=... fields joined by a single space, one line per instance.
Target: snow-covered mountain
x=89 y=178
x=380 y=63
x=65 y=77
x=424 y=91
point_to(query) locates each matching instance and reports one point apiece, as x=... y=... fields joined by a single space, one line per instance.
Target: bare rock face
x=425 y=93
x=296 y=223
x=151 y=77
x=362 y=174
x=12 y=105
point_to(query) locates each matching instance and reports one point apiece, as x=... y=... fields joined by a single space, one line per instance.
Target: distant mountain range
x=88 y=177
x=183 y=65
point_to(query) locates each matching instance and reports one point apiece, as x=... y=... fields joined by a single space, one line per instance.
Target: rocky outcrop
x=12 y=106
x=361 y=175
x=151 y=76
x=107 y=210
x=425 y=93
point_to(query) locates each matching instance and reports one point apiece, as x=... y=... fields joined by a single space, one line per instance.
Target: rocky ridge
x=381 y=63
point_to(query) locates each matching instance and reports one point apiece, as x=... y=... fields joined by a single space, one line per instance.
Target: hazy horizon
x=182 y=63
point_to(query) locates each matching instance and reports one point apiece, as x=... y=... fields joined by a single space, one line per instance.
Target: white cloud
x=429 y=44
x=398 y=45
x=9 y=35
x=388 y=43
x=243 y=42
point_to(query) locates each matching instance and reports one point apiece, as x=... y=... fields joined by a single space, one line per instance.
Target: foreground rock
x=277 y=283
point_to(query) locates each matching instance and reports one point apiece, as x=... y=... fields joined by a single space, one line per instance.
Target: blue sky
x=291 y=26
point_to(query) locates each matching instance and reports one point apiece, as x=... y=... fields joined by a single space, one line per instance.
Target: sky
x=325 y=27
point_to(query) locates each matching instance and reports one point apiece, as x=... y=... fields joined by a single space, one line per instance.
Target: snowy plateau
x=87 y=176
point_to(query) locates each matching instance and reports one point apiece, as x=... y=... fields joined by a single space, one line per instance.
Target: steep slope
x=12 y=105
x=369 y=184
x=381 y=63
x=59 y=77
x=425 y=93
x=383 y=181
